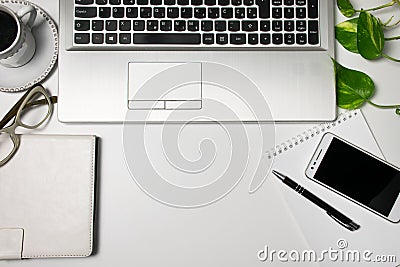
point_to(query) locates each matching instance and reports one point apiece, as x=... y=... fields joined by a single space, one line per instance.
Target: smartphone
x=357 y=175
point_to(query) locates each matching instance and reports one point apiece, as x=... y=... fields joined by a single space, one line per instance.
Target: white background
x=119 y=194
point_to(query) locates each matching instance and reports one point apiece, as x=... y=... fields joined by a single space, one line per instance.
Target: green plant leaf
x=346 y=8
x=370 y=38
x=346 y=34
x=353 y=88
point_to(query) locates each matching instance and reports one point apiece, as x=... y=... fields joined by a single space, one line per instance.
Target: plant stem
x=382 y=106
x=392 y=38
x=390 y=58
x=380 y=7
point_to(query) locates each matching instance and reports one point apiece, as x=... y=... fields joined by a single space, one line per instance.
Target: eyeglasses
x=41 y=104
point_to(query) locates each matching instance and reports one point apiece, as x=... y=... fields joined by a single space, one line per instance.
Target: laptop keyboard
x=196 y=23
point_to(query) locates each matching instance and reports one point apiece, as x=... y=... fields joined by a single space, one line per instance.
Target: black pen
x=331 y=211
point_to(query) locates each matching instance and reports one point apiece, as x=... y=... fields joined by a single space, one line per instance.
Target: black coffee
x=8 y=30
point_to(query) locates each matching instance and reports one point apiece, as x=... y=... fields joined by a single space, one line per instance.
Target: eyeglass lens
x=6 y=145
x=33 y=115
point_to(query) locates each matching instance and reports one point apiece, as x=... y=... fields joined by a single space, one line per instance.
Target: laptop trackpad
x=161 y=85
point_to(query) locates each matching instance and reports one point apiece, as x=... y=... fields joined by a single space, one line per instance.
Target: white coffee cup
x=19 y=46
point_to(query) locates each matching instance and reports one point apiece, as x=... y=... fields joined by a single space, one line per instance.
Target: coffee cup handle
x=25 y=11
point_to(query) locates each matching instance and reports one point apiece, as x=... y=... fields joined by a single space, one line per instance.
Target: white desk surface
x=117 y=185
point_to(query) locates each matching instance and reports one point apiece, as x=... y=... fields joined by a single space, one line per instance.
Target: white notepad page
x=321 y=232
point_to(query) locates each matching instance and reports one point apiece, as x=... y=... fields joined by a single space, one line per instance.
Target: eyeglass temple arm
x=13 y=112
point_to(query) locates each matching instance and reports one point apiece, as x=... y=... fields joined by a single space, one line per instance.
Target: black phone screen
x=359 y=176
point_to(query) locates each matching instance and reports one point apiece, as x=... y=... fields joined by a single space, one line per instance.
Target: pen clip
x=352 y=226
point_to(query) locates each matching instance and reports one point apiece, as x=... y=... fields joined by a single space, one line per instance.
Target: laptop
x=196 y=60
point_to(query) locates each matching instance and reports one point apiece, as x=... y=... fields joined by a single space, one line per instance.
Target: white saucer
x=45 y=32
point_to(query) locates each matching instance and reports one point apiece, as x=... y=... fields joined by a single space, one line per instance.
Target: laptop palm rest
x=164 y=86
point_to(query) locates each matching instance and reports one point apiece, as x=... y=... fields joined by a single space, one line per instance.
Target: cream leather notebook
x=47 y=195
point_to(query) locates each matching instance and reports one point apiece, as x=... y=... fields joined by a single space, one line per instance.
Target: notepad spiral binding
x=310 y=133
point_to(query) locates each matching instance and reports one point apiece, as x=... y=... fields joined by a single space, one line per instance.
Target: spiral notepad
x=350 y=125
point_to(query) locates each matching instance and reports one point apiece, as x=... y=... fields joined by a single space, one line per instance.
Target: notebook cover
x=47 y=198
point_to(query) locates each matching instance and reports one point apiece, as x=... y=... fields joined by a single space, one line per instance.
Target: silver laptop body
x=202 y=83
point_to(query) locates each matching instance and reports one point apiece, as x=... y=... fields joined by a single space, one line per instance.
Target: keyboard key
x=129 y=2
x=115 y=2
x=300 y=12
x=277 y=38
x=288 y=2
x=251 y=12
x=220 y=25
x=85 y=12
x=222 y=38
x=152 y=25
x=82 y=38
x=138 y=25
x=196 y=2
x=227 y=12
x=236 y=2
x=234 y=25
x=313 y=35
x=237 y=39
x=125 y=38
x=179 y=25
x=301 y=38
x=208 y=38
x=301 y=25
x=155 y=2
x=118 y=12
x=166 y=25
x=253 y=38
x=277 y=13
x=132 y=12
x=166 y=38
x=193 y=25
x=289 y=38
x=265 y=25
x=288 y=12
x=169 y=2
x=206 y=25
x=248 y=2
x=288 y=25
x=276 y=2
x=84 y=2
x=210 y=2
x=82 y=25
x=101 y=2
x=213 y=12
x=277 y=26
x=159 y=12
x=186 y=12
x=265 y=38
x=145 y=12
x=124 y=25
x=111 y=38
x=97 y=25
x=312 y=9
x=143 y=2
x=249 y=26
x=199 y=12
x=301 y=2
x=111 y=25
x=104 y=12
x=263 y=8
x=239 y=12
x=223 y=2
x=97 y=38
x=183 y=2
x=172 y=12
